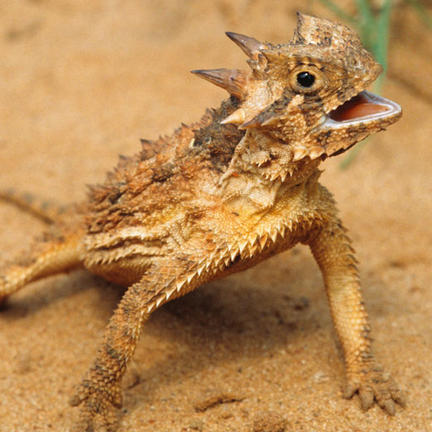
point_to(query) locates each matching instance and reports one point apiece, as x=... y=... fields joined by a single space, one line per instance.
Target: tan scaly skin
x=223 y=194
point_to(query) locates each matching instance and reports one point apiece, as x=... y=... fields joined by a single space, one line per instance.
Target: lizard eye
x=307 y=79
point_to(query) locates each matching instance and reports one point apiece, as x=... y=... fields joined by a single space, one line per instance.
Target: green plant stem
x=382 y=36
x=339 y=11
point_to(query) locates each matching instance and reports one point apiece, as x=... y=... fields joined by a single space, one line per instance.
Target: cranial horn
x=249 y=45
x=232 y=80
x=306 y=31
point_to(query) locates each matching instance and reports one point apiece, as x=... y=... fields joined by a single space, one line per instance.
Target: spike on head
x=237 y=117
x=321 y=32
x=231 y=80
x=249 y=45
x=312 y=30
x=309 y=93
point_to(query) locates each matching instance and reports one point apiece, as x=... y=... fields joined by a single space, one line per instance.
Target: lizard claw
x=99 y=407
x=373 y=384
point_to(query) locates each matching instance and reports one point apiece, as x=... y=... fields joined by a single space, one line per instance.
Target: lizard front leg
x=100 y=394
x=334 y=254
x=100 y=391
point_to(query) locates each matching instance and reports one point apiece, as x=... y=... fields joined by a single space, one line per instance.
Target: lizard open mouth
x=362 y=108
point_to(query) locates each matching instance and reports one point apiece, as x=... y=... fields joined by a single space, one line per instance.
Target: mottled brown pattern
x=222 y=195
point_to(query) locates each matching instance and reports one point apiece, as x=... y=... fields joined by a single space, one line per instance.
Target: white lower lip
x=393 y=109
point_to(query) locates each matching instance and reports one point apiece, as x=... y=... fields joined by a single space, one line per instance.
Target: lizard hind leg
x=49 y=256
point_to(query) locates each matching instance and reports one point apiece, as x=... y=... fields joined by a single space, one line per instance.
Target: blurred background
x=80 y=82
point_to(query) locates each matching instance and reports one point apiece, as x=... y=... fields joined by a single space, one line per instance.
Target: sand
x=82 y=81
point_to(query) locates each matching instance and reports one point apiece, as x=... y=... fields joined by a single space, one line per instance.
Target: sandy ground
x=80 y=82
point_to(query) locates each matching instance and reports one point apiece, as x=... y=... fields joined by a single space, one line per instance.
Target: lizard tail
x=45 y=210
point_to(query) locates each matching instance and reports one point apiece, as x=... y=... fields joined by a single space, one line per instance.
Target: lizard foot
x=373 y=384
x=99 y=406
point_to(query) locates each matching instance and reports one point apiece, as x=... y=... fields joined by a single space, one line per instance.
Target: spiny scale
x=237 y=117
x=249 y=45
x=231 y=80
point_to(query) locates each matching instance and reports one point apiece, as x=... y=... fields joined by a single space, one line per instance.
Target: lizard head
x=309 y=93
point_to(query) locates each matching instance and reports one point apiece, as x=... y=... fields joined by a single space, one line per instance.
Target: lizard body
x=223 y=194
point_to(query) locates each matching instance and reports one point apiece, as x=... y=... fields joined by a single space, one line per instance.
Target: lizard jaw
x=363 y=108
x=349 y=123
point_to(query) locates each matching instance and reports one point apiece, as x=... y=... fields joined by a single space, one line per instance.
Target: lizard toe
x=366 y=395
x=399 y=396
x=374 y=385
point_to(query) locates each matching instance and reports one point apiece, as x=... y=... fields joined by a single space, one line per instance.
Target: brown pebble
x=210 y=401
x=196 y=425
x=269 y=421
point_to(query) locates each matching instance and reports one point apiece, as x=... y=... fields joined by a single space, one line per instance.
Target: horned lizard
x=223 y=194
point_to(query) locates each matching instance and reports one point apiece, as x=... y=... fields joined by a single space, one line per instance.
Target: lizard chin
x=364 y=108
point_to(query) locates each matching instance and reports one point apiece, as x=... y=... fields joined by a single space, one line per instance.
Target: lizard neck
x=260 y=170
